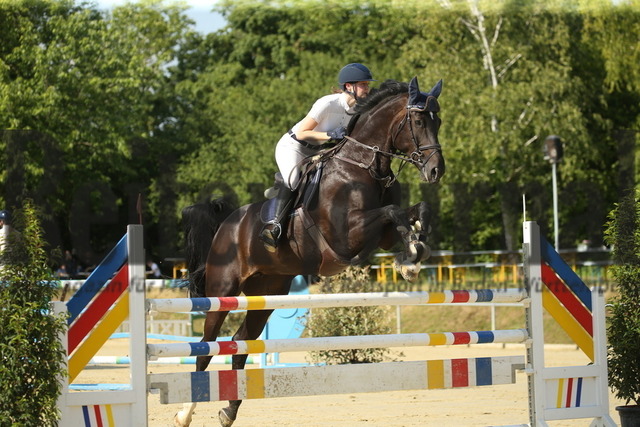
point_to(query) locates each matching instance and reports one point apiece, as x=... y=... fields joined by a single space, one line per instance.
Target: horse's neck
x=376 y=136
x=376 y=127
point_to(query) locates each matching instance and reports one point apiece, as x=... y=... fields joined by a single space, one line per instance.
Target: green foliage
x=493 y=129
x=133 y=100
x=85 y=102
x=623 y=331
x=32 y=355
x=349 y=321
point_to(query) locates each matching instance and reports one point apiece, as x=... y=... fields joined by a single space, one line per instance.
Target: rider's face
x=361 y=89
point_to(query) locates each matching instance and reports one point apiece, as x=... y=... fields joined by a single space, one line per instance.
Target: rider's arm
x=305 y=131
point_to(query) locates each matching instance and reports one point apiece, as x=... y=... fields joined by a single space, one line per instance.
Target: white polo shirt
x=330 y=112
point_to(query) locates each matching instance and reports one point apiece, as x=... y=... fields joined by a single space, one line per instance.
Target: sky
x=199 y=11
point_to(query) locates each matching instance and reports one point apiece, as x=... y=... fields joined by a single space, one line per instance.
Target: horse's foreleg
x=419 y=216
x=212 y=326
x=407 y=262
x=250 y=329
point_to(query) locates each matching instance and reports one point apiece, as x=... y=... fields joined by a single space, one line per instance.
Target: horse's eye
x=419 y=122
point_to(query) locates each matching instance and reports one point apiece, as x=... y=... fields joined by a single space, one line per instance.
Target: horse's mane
x=387 y=89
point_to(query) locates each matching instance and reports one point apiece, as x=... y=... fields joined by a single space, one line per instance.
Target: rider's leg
x=273 y=228
x=272 y=192
x=289 y=154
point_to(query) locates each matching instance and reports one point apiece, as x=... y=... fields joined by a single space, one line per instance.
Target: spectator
x=70 y=263
x=5 y=228
x=153 y=271
x=9 y=240
x=62 y=273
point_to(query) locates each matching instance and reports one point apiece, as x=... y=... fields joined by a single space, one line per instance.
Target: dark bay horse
x=354 y=212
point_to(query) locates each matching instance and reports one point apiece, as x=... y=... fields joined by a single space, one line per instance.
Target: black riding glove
x=338 y=134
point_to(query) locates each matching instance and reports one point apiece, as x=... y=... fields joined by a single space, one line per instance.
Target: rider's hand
x=337 y=134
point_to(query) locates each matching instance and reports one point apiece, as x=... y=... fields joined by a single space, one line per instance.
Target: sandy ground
x=482 y=406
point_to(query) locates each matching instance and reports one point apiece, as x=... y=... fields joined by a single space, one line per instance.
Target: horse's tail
x=201 y=222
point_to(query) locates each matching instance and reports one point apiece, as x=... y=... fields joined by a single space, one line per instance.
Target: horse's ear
x=435 y=91
x=414 y=92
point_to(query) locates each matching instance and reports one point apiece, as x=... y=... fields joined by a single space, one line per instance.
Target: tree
x=100 y=106
x=89 y=87
x=32 y=354
x=259 y=76
x=510 y=72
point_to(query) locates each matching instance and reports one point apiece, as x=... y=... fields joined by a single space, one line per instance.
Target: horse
x=353 y=212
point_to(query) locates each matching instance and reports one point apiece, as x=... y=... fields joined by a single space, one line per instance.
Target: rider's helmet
x=354 y=72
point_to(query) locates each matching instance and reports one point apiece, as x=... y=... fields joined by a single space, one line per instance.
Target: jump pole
x=243 y=384
x=271 y=302
x=216 y=348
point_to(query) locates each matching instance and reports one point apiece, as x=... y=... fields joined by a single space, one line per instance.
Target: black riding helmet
x=5 y=216
x=354 y=72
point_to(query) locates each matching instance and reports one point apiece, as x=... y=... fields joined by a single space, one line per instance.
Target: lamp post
x=553 y=153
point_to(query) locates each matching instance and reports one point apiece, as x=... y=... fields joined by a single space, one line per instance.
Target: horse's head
x=419 y=131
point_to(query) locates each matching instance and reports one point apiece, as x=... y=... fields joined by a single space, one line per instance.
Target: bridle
x=416 y=158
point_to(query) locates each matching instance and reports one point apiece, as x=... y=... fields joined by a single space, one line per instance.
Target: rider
x=5 y=228
x=326 y=121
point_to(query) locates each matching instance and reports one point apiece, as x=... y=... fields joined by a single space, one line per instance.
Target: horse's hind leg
x=212 y=326
x=251 y=328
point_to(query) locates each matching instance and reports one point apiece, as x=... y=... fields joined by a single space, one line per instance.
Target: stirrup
x=270 y=236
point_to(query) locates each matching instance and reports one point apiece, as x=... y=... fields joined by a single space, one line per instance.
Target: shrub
x=349 y=321
x=31 y=354
x=623 y=330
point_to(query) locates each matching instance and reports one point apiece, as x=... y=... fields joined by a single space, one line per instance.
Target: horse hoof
x=407 y=269
x=180 y=420
x=225 y=420
x=413 y=252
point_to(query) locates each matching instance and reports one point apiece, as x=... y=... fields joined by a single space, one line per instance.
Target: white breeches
x=289 y=154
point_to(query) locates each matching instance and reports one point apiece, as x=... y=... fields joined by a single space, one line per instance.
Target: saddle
x=304 y=195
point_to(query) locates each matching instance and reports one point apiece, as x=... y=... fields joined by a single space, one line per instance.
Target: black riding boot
x=273 y=228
